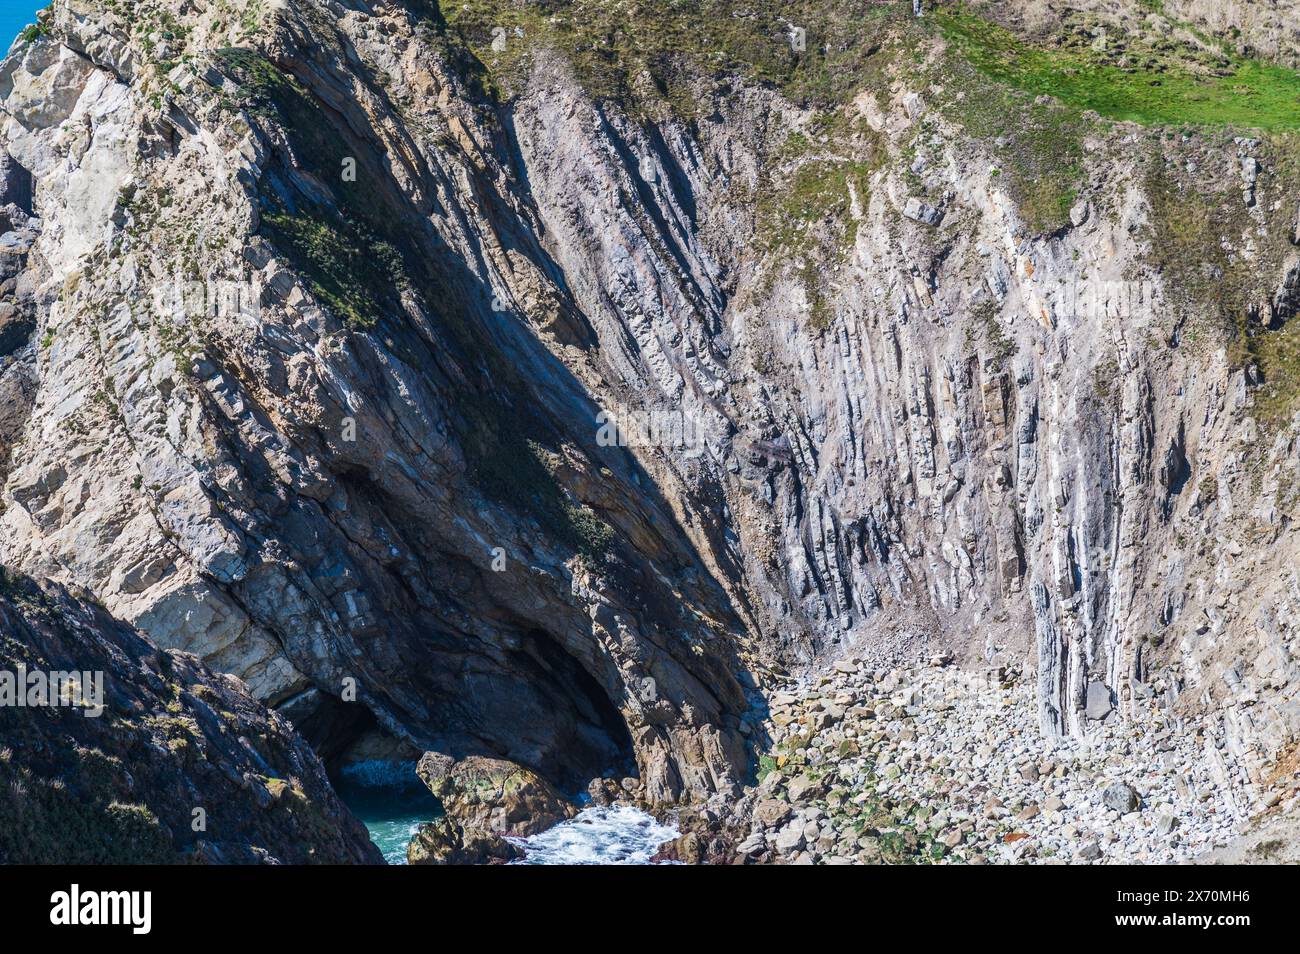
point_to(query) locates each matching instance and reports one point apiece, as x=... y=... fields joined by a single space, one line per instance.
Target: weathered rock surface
x=182 y=764
x=377 y=490
x=1098 y=704
x=343 y=475
x=493 y=795
x=446 y=842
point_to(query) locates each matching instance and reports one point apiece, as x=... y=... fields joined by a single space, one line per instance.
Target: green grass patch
x=351 y=272
x=1187 y=229
x=33 y=32
x=1149 y=90
x=1038 y=143
x=819 y=191
x=804 y=215
x=808 y=220
x=1277 y=355
x=509 y=463
x=45 y=819
x=1223 y=295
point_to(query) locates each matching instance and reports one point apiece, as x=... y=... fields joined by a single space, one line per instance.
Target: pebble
x=951 y=765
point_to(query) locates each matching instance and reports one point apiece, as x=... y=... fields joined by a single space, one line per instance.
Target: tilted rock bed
x=933 y=340
x=940 y=764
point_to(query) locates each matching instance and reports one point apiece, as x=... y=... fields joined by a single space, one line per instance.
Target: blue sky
x=14 y=15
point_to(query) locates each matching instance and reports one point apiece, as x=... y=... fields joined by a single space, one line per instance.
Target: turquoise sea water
x=14 y=15
x=391 y=818
x=390 y=800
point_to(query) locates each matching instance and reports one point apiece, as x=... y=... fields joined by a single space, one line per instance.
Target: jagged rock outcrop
x=151 y=757
x=447 y=842
x=1016 y=420
x=485 y=802
x=493 y=795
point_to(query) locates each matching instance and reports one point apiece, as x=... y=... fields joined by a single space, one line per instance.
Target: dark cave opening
x=593 y=740
x=329 y=725
x=537 y=705
x=373 y=773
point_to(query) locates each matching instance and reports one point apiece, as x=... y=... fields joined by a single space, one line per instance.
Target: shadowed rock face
x=1003 y=423
x=123 y=786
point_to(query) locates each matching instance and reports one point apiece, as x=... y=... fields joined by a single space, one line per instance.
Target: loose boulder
x=444 y=842
x=1121 y=798
x=493 y=795
x=1098 y=704
x=922 y=212
x=485 y=801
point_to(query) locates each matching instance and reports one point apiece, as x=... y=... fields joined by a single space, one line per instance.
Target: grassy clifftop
x=818 y=52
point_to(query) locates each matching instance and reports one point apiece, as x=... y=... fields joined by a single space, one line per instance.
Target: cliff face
x=933 y=360
x=314 y=496
x=153 y=758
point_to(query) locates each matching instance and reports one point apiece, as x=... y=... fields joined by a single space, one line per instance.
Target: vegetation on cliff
x=1147 y=79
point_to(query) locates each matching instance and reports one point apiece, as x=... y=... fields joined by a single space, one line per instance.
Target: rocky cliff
x=148 y=756
x=969 y=332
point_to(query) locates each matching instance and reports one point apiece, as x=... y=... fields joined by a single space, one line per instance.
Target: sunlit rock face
x=320 y=316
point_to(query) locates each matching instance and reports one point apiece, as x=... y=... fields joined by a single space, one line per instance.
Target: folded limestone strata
x=938 y=410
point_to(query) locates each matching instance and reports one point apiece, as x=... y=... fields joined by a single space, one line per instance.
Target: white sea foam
x=616 y=835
